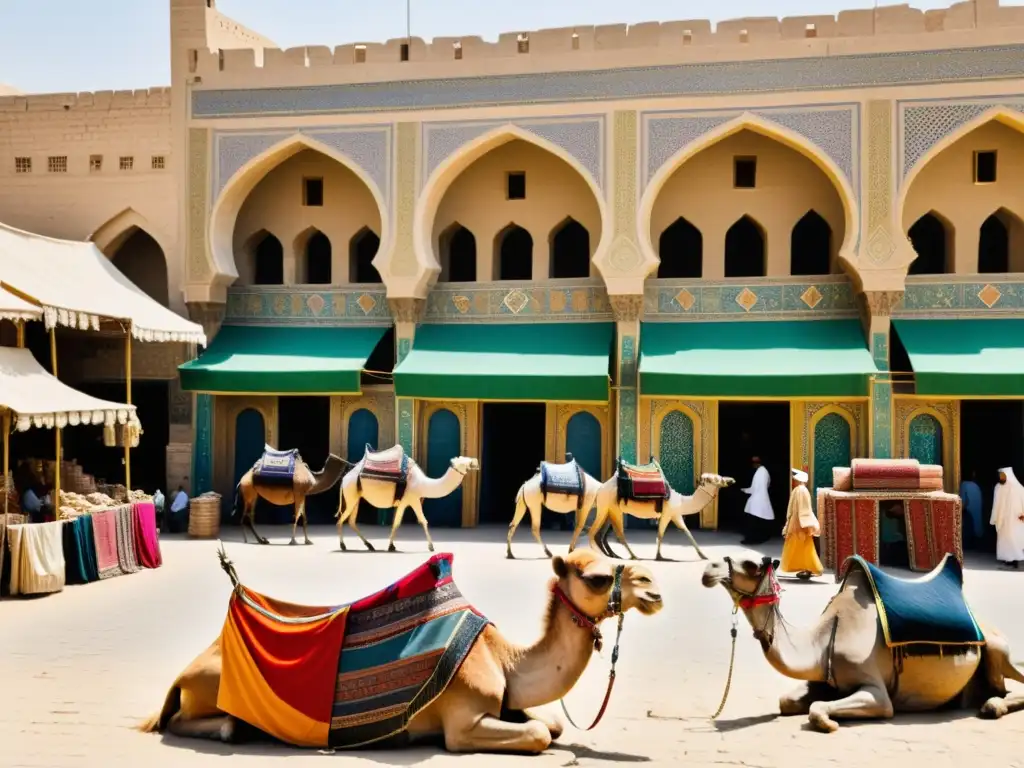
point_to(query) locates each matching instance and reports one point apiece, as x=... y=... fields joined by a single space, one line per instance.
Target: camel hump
x=276 y=467
x=564 y=478
x=641 y=482
x=390 y=457
x=930 y=611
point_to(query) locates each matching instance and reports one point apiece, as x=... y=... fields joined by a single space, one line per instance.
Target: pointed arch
x=315 y=255
x=513 y=254
x=932 y=238
x=264 y=257
x=241 y=184
x=362 y=249
x=681 y=250
x=138 y=251
x=569 y=245
x=457 y=247
x=745 y=254
x=771 y=130
x=113 y=233
x=810 y=246
x=1001 y=243
x=445 y=174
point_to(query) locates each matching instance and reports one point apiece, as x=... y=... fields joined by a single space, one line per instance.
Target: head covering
x=1007 y=508
x=799 y=475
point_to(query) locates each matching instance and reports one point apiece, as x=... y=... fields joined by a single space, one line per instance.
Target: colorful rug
x=850 y=525
x=275 y=468
x=934 y=527
x=641 y=482
x=930 y=610
x=37 y=558
x=930 y=477
x=886 y=474
x=104 y=528
x=390 y=466
x=561 y=478
x=147 y=540
x=126 y=540
x=74 y=554
x=350 y=675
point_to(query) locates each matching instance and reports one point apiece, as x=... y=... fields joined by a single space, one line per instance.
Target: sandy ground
x=77 y=669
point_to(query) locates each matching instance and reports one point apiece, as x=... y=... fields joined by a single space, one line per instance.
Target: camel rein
x=767 y=593
x=583 y=621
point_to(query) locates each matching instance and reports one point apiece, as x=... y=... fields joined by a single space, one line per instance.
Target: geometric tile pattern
x=946 y=295
x=768 y=299
x=285 y=305
x=537 y=302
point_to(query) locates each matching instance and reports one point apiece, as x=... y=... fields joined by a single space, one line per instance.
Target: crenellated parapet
x=98 y=101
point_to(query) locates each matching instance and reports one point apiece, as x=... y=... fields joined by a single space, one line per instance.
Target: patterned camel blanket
x=642 y=482
x=928 y=613
x=564 y=478
x=275 y=467
x=349 y=675
x=390 y=466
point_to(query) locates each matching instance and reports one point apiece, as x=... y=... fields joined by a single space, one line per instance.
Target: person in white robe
x=1008 y=518
x=758 y=509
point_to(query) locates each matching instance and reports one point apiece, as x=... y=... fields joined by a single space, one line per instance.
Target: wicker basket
x=204 y=516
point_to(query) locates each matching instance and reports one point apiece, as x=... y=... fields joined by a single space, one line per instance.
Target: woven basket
x=204 y=516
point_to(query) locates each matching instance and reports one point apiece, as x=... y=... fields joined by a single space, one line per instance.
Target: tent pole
x=57 y=431
x=126 y=432
x=7 y=488
x=20 y=325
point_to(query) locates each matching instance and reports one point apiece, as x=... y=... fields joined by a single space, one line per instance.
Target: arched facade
x=457 y=249
x=833 y=435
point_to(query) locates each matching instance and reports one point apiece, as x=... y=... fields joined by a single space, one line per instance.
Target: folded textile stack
x=37 y=558
x=891 y=475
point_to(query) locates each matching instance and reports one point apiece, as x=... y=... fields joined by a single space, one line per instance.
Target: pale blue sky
x=86 y=45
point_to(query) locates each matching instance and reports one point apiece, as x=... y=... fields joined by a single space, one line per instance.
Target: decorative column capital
x=408 y=310
x=627 y=307
x=208 y=314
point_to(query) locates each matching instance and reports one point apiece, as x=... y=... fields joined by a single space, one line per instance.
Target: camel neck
x=796 y=652
x=548 y=669
x=438 y=488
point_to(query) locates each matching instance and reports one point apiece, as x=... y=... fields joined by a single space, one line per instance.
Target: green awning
x=521 y=361
x=810 y=358
x=966 y=357
x=282 y=360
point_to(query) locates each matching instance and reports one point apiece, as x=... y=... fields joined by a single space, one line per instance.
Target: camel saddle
x=929 y=612
x=564 y=478
x=275 y=467
x=389 y=466
x=345 y=675
x=645 y=482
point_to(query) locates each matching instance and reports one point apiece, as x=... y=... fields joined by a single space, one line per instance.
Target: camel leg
x=535 y=514
x=396 y=524
x=517 y=518
x=553 y=722
x=344 y=505
x=417 y=509
x=999 y=667
x=620 y=534
x=663 y=522
x=300 y=509
x=868 y=703
x=595 y=529
x=215 y=728
x=605 y=546
x=581 y=521
x=798 y=701
x=681 y=525
x=245 y=538
x=352 y=515
x=305 y=527
x=249 y=517
x=489 y=734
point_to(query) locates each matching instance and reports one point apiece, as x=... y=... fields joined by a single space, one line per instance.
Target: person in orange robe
x=798 y=553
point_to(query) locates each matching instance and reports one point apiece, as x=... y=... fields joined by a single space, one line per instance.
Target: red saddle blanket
x=642 y=483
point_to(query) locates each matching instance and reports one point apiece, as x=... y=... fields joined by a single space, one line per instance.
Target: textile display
x=147 y=540
x=930 y=610
x=934 y=527
x=347 y=675
x=850 y=525
x=642 y=482
x=126 y=539
x=37 y=558
x=80 y=550
x=889 y=474
x=104 y=526
x=930 y=478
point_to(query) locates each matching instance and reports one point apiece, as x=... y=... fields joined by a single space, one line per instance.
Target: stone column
x=407 y=313
x=876 y=310
x=627 y=310
x=210 y=316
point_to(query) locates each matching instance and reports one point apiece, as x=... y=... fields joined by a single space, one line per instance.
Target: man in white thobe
x=760 y=514
x=1008 y=518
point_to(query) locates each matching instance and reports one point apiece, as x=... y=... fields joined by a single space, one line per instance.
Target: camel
x=488 y=706
x=531 y=497
x=673 y=510
x=305 y=483
x=382 y=494
x=848 y=670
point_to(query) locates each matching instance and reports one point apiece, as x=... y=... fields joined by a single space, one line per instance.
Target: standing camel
x=488 y=704
x=304 y=483
x=673 y=510
x=384 y=493
x=531 y=497
x=850 y=668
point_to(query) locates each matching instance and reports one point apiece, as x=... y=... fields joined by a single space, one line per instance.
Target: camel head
x=588 y=580
x=464 y=463
x=748 y=575
x=716 y=481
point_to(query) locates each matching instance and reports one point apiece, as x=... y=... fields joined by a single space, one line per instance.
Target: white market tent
x=15 y=309
x=75 y=285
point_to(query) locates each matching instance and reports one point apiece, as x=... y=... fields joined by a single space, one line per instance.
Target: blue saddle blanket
x=561 y=478
x=276 y=467
x=930 y=610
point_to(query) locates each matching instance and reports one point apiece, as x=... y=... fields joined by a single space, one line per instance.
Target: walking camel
x=284 y=489
x=928 y=652
x=390 y=479
x=610 y=508
x=542 y=490
x=487 y=705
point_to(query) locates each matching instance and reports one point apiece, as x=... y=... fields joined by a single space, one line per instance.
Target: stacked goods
x=894 y=474
x=138 y=497
x=75 y=504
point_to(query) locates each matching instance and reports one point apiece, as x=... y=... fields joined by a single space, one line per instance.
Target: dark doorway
x=513 y=448
x=515 y=254
x=141 y=260
x=993 y=246
x=318 y=259
x=269 y=262
x=744 y=249
x=303 y=422
x=570 y=250
x=810 y=246
x=991 y=437
x=746 y=430
x=681 y=250
x=362 y=249
x=458 y=253
x=930 y=239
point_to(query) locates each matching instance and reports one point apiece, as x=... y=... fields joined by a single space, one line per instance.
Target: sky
x=49 y=46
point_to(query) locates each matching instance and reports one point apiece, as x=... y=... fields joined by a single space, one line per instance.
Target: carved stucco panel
x=196 y=220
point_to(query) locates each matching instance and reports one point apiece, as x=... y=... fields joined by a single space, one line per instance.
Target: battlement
x=98 y=101
x=900 y=27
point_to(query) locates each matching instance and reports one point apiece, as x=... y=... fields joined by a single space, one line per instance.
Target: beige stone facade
x=752 y=171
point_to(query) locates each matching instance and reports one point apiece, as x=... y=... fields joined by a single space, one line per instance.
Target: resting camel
x=673 y=510
x=382 y=493
x=849 y=671
x=305 y=483
x=531 y=498
x=487 y=705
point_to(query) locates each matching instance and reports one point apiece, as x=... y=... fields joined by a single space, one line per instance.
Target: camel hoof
x=660 y=557
x=702 y=556
x=307 y=542
x=392 y=547
x=430 y=547
x=369 y=547
x=264 y=541
x=547 y=553
x=292 y=543
x=342 y=547
x=509 y=555
x=820 y=721
x=993 y=709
